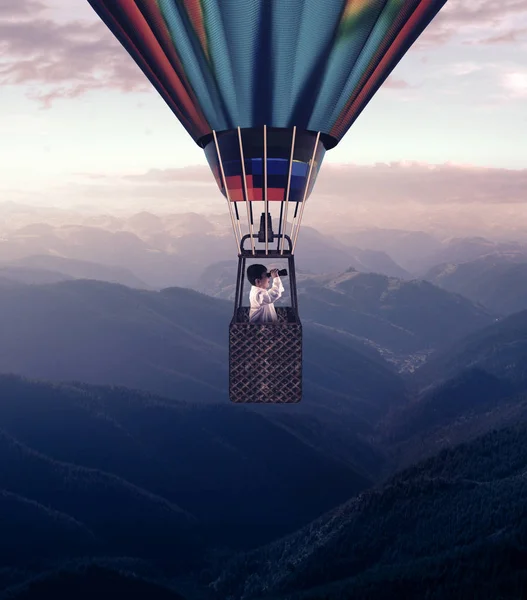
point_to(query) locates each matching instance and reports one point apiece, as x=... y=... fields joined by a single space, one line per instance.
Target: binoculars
x=281 y=273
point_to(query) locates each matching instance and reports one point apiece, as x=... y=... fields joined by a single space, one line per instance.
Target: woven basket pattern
x=265 y=360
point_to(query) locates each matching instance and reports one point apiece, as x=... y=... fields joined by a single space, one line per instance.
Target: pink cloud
x=508 y=37
x=396 y=84
x=447 y=199
x=17 y=8
x=394 y=182
x=63 y=60
x=459 y=16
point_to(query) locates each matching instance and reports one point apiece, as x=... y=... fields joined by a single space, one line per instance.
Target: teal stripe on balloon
x=377 y=37
x=221 y=64
x=240 y=22
x=284 y=41
x=194 y=60
x=316 y=31
x=351 y=44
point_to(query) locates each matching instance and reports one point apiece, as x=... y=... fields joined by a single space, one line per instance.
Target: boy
x=261 y=300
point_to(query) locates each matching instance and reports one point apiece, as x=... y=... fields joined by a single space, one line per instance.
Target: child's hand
x=274 y=272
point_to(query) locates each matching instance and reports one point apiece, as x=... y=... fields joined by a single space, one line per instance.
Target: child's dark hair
x=255 y=272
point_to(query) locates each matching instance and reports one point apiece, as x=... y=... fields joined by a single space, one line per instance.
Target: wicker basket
x=265 y=360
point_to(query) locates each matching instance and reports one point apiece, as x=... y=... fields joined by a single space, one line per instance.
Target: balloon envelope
x=223 y=64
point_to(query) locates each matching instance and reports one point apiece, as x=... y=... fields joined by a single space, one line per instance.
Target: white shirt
x=262 y=307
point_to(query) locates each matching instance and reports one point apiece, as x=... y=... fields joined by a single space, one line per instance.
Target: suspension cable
x=306 y=190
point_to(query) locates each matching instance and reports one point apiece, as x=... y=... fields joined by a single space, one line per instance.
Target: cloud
x=422 y=183
x=69 y=59
x=466 y=68
x=466 y=18
x=508 y=37
x=445 y=199
x=17 y=8
x=516 y=84
x=61 y=60
x=396 y=84
x=196 y=174
x=480 y=12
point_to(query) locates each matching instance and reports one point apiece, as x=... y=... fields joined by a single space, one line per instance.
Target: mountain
x=460 y=250
x=31 y=276
x=90 y=499
x=165 y=250
x=76 y=269
x=164 y=341
x=376 y=261
x=496 y=280
x=175 y=343
x=401 y=315
x=88 y=582
x=500 y=349
x=475 y=386
x=28 y=527
x=148 y=225
x=403 y=320
x=453 y=527
x=319 y=253
x=407 y=248
x=106 y=333
x=122 y=252
x=109 y=470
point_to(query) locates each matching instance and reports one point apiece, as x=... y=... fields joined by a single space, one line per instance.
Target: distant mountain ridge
x=28 y=275
x=460 y=250
x=499 y=348
x=157 y=251
x=496 y=280
x=397 y=317
x=82 y=269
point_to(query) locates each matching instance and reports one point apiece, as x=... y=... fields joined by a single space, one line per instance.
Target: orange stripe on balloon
x=348 y=113
x=195 y=13
x=354 y=7
x=141 y=26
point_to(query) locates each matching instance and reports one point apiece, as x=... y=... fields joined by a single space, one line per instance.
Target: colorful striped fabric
x=248 y=176
x=223 y=64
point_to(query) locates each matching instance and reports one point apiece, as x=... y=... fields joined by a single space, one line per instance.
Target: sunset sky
x=81 y=126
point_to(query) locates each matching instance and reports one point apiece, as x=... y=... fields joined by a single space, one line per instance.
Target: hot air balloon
x=266 y=87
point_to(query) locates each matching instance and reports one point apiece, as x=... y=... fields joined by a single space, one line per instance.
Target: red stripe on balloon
x=195 y=13
x=179 y=93
x=108 y=17
x=351 y=111
x=159 y=27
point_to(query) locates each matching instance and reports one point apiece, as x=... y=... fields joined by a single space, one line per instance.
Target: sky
x=443 y=142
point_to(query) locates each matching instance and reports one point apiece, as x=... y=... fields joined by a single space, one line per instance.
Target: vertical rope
x=237 y=239
x=249 y=219
x=304 y=199
x=288 y=188
x=265 y=191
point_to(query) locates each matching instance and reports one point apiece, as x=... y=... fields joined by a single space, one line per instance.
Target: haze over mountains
x=496 y=280
x=399 y=364
x=161 y=251
x=175 y=249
